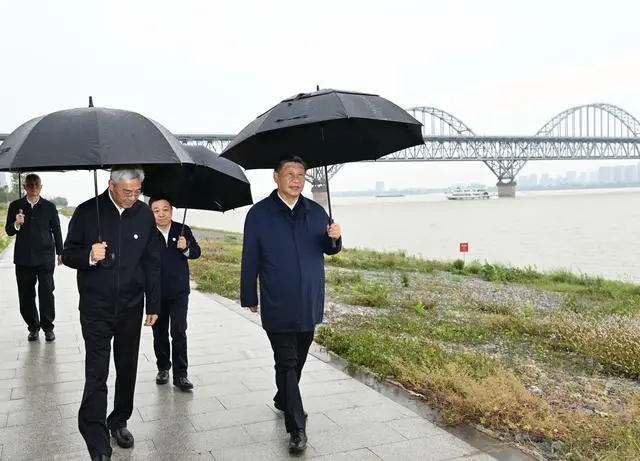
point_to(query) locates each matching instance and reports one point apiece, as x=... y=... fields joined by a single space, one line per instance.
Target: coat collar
x=174 y=230
x=276 y=204
x=24 y=201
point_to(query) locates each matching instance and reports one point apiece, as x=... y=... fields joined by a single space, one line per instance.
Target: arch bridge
x=597 y=131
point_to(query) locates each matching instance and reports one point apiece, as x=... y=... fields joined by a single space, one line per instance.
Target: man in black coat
x=179 y=246
x=286 y=236
x=115 y=276
x=35 y=223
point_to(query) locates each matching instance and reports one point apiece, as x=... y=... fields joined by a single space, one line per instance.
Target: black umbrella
x=89 y=138
x=325 y=128
x=210 y=183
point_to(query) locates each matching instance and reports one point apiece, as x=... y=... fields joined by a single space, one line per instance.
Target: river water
x=588 y=231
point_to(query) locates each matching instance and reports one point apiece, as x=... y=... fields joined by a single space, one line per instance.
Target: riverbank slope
x=548 y=361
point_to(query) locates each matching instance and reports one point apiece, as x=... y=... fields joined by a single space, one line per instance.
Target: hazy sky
x=206 y=66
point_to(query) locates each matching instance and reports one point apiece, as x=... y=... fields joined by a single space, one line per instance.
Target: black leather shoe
x=49 y=335
x=101 y=458
x=298 y=442
x=162 y=377
x=123 y=437
x=182 y=383
x=33 y=336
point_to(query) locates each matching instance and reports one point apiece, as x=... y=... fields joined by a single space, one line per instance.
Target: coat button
x=135 y=236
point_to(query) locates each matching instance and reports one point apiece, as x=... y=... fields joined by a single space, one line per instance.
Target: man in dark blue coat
x=115 y=278
x=179 y=245
x=286 y=236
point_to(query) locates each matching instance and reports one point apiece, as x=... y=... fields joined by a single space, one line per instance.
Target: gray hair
x=126 y=173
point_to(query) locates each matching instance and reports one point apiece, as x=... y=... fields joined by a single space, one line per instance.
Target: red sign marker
x=464 y=247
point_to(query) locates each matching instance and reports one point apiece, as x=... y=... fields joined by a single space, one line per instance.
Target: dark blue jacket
x=285 y=250
x=175 y=267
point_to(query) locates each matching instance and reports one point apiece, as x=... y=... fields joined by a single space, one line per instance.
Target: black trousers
x=174 y=312
x=290 y=354
x=27 y=276
x=93 y=422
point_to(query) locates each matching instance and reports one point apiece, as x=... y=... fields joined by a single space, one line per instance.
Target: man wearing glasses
x=35 y=223
x=114 y=278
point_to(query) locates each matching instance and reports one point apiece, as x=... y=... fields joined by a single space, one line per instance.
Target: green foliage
x=4 y=239
x=59 y=201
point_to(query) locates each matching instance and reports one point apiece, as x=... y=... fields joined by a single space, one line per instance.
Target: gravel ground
x=448 y=290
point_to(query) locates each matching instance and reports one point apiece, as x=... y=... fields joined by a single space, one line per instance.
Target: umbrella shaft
x=326 y=183
x=95 y=189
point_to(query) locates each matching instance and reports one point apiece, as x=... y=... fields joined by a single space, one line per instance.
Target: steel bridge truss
x=505 y=156
x=595 y=131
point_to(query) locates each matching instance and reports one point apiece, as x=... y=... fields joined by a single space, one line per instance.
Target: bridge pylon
x=319 y=192
x=506 y=172
x=318 y=181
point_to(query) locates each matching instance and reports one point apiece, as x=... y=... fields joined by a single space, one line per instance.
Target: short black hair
x=155 y=198
x=294 y=159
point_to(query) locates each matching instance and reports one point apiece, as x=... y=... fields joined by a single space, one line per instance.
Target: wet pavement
x=228 y=416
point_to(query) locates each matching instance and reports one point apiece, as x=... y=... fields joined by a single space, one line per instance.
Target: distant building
x=630 y=174
x=605 y=175
x=545 y=180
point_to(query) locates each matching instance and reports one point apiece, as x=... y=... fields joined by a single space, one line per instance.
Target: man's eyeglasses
x=131 y=193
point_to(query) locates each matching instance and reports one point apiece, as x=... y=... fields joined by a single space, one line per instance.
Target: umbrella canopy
x=89 y=138
x=325 y=127
x=210 y=183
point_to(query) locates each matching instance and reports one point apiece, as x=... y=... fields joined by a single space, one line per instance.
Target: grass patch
x=218 y=269
x=66 y=211
x=4 y=238
x=471 y=387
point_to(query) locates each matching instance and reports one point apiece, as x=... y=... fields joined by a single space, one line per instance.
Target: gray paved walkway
x=228 y=416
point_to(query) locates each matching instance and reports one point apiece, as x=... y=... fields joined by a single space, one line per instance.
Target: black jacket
x=133 y=239
x=175 y=265
x=39 y=238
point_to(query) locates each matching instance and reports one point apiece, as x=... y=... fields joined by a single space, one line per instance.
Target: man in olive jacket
x=114 y=277
x=286 y=236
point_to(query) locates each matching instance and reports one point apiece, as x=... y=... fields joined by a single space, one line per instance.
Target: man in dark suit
x=35 y=223
x=115 y=276
x=179 y=246
x=286 y=236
